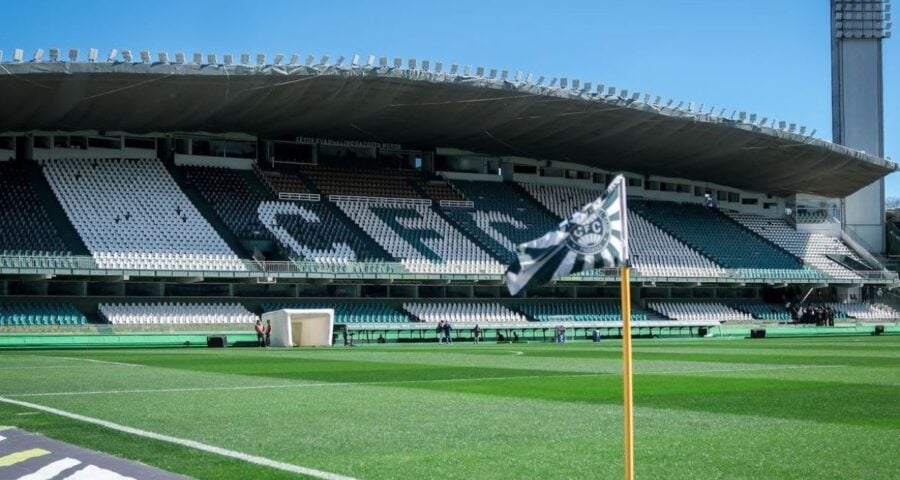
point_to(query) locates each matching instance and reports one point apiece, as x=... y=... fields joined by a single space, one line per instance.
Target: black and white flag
x=594 y=237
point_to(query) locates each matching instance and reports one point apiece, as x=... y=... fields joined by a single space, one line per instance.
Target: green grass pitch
x=712 y=408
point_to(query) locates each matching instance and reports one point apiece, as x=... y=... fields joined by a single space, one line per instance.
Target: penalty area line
x=262 y=461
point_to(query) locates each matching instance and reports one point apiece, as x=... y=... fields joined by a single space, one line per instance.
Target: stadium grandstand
x=175 y=196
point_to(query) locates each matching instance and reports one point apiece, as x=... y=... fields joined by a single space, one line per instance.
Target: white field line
x=38 y=367
x=105 y=362
x=287 y=467
x=398 y=382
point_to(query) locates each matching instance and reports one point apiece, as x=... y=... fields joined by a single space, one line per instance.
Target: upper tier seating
x=579 y=312
x=437 y=189
x=25 y=227
x=656 y=253
x=286 y=183
x=723 y=240
x=352 y=312
x=812 y=216
x=417 y=236
x=362 y=182
x=563 y=201
x=20 y=314
x=175 y=313
x=810 y=247
x=865 y=311
x=653 y=251
x=312 y=231
x=132 y=215
x=502 y=218
x=464 y=313
x=698 y=311
x=232 y=199
x=365 y=182
x=763 y=311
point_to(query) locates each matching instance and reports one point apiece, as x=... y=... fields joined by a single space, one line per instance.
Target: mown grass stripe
x=405 y=382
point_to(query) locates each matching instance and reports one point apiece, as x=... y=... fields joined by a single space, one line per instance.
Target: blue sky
x=771 y=57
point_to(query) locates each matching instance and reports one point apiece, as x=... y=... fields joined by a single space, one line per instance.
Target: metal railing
x=380 y=200
x=457 y=204
x=72 y=265
x=299 y=197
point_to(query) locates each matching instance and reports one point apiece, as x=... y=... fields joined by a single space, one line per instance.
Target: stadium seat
x=351 y=312
x=175 y=313
x=579 y=312
x=25 y=227
x=654 y=252
x=25 y=314
x=361 y=182
x=463 y=313
x=763 y=311
x=723 y=240
x=132 y=215
x=312 y=231
x=419 y=237
x=698 y=311
x=809 y=247
x=501 y=219
x=864 y=311
x=231 y=198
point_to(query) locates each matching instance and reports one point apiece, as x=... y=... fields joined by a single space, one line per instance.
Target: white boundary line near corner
x=405 y=382
x=262 y=461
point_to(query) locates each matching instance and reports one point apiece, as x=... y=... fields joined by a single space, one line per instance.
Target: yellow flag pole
x=626 y=372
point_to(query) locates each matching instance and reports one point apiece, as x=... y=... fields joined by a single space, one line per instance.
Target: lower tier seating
x=464 y=313
x=865 y=311
x=132 y=215
x=352 y=312
x=763 y=311
x=20 y=314
x=698 y=311
x=175 y=313
x=579 y=312
x=25 y=227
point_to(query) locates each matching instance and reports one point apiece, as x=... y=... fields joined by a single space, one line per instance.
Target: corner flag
x=594 y=237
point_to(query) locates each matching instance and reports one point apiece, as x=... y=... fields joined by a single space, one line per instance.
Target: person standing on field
x=439 y=330
x=447 y=329
x=260 y=338
x=268 y=333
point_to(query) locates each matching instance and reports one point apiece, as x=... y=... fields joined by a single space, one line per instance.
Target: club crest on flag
x=591 y=235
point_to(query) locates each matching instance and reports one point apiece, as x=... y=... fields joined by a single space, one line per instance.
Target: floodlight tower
x=857 y=30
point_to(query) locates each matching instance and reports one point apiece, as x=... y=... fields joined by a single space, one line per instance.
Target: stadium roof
x=422 y=109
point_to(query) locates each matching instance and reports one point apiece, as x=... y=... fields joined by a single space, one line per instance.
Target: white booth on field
x=301 y=328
